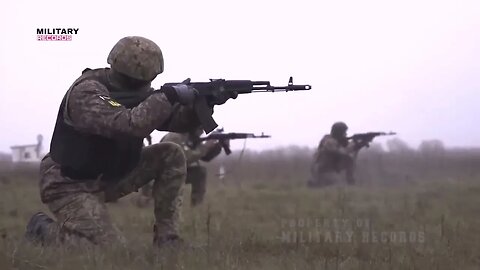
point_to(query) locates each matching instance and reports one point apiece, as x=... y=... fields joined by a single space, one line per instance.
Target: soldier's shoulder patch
x=110 y=101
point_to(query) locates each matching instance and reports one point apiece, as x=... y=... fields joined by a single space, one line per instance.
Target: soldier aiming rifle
x=97 y=154
x=196 y=150
x=224 y=138
x=337 y=153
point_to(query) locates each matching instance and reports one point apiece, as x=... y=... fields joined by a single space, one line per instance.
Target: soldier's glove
x=182 y=93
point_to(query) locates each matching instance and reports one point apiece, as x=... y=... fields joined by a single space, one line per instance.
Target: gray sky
x=408 y=66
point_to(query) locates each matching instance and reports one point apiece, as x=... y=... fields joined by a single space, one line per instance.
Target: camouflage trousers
x=197 y=177
x=321 y=176
x=80 y=209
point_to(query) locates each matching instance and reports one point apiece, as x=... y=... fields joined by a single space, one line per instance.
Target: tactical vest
x=327 y=160
x=84 y=156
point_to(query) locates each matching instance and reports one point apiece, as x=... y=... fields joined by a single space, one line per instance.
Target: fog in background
x=406 y=66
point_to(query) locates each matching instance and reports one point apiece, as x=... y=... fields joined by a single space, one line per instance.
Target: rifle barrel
x=257 y=89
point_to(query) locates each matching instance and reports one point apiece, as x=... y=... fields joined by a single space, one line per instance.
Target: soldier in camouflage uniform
x=194 y=153
x=97 y=154
x=334 y=155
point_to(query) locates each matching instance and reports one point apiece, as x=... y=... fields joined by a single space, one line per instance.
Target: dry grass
x=271 y=223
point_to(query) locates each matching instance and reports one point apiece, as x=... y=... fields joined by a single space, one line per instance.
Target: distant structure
x=28 y=153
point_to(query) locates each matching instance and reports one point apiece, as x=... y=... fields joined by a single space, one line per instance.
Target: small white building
x=29 y=152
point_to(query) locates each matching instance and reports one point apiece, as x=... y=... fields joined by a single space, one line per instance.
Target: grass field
x=275 y=225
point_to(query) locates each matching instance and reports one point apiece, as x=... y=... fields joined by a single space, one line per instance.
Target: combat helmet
x=136 y=57
x=338 y=129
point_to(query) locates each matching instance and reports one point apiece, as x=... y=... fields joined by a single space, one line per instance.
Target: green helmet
x=136 y=57
x=339 y=129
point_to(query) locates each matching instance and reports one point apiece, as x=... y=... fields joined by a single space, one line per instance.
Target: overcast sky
x=408 y=66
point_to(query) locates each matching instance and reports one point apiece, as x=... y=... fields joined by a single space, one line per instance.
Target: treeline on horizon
x=396 y=164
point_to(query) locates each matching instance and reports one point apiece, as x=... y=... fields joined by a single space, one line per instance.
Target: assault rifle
x=224 y=137
x=220 y=88
x=364 y=139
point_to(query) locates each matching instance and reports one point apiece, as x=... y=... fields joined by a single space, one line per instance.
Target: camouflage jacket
x=91 y=110
x=331 y=155
x=193 y=154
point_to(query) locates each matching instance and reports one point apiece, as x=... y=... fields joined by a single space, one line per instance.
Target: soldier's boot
x=165 y=239
x=39 y=228
x=172 y=248
x=199 y=185
x=169 y=240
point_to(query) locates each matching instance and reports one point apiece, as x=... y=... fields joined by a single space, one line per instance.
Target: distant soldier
x=194 y=152
x=335 y=154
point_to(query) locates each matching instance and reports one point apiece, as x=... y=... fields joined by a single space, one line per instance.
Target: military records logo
x=56 y=34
